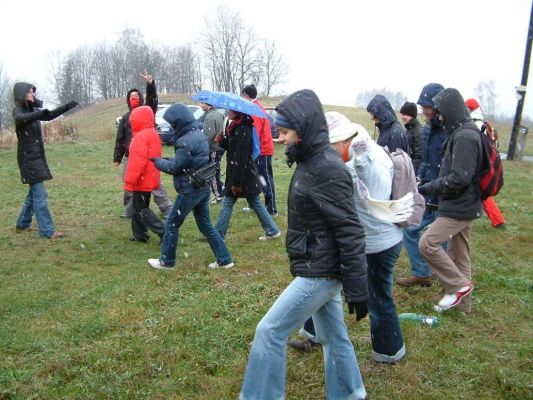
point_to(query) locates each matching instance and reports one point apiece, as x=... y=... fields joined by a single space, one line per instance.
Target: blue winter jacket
x=391 y=132
x=192 y=149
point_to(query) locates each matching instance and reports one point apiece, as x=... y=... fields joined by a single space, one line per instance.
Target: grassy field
x=87 y=318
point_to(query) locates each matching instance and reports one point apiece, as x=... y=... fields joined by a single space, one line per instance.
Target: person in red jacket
x=142 y=177
x=264 y=161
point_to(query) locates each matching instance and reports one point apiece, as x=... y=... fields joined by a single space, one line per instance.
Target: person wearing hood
x=434 y=137
x=192 y=153
x=391 y=132
x=415 y=132
x=489 y=205
x=326 y=248
x=242 y=176
x=141 y=176
x=264 y=160
x=134 y=99
x=28 y=114
x=372 y=171
x=459 y=202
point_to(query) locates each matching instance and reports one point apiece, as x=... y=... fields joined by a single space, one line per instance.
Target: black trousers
x=143 y=218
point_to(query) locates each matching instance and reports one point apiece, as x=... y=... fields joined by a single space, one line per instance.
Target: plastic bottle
x=422 y=319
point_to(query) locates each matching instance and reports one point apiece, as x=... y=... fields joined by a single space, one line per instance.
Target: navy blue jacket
x=192 y=150
x=391 y=132
x=432 y=153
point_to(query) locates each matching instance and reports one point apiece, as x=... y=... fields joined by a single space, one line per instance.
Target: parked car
x=271 y=114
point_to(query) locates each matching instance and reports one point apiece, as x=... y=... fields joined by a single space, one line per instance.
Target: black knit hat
x=409 y=109
x=250 y=91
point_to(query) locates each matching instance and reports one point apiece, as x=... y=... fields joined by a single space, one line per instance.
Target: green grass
x=86 y=318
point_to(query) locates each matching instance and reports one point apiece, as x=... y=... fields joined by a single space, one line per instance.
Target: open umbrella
x=229 y=101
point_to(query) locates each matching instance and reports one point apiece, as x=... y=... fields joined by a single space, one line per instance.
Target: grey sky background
x=337 y=48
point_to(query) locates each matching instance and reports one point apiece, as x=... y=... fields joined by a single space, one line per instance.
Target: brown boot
x=56 y=235
x=305 y=345
x=414 y=280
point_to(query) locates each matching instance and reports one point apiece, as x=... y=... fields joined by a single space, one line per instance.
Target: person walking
x=391 y=132
x=242 y=177
x=192 y=153
x=325 y=245
x=31 y=158
x=415 y=132
x=459 y=202
x=141 y=177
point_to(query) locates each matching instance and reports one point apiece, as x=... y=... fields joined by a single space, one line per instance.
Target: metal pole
x=521 y=91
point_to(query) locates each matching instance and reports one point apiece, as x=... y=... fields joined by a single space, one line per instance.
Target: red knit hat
x=472 y=104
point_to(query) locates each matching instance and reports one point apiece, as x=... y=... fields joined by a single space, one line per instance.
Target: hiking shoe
x=500 y=226
x=216 y=265
x=451 y=300
x=414 y=280
x=56 y=235
x=305 y=345
x=134 y=239
x=267 y=237
x=246 y=209
x=18 y=229
x=157 y=264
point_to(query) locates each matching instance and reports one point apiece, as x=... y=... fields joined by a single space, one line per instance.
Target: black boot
x=305 y=345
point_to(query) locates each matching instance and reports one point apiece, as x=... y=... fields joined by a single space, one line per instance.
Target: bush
x=60 y=132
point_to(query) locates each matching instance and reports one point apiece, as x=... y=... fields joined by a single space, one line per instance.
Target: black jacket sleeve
x=151 y=96
x=21 y=117
x=120 y=141
x=335 y=200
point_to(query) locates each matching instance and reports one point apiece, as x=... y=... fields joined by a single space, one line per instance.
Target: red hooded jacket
x=141 y=173
x=262 y=125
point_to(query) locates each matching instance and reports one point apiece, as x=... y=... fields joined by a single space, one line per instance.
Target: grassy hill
x=86 y=318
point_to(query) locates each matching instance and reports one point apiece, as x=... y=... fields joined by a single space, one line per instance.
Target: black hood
x=141 y=97
x=304 y=112
x=381 y=108
x=452 y=107
x=20 y=91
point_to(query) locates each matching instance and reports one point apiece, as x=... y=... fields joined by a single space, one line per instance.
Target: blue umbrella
x=229 y=101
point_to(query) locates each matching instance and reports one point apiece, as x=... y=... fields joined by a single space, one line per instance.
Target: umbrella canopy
x=229 y=101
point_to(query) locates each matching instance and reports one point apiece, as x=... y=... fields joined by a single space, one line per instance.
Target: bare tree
x=396 y=99
x=486 y=93
x=247 y=61
x=5 y=91
x=273 y=67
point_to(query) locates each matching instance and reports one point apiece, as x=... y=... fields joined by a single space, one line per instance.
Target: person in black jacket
x=415 y=132
x=459 y=201
x=391 y=132
x=28 y=114
x=326 y=247
x=242 y=176
x=134 y=99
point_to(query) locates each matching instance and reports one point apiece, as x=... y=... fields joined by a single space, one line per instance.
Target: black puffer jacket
x=324 y=236
x=458 y=181
x=391 y=132
x=415 y=139
x=123 y=139
x=241 y=170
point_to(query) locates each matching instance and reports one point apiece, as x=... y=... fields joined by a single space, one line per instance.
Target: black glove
x=152 y=159
x=360 y=308
x=423 y=189
x=46 y=115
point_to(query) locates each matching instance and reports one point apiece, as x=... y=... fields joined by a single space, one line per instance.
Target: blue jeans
x=319 y=297
x=411 y=237
x=387 y=340
x=197 y=201
x=36 y=202
x=255 y=204
x=264 y=167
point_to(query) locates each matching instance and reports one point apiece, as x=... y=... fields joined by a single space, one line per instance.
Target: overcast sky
x=337 y=48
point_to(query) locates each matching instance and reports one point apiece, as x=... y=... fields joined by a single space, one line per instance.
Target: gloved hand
x=46 y=115
x=71 y=104
x=423 y=189
x=153 y=159
x=360 y=308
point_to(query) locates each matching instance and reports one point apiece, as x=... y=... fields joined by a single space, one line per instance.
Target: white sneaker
x=155 y=263
x=266 y=237
x=451 y=300
x=246 y=209
x=215 y=265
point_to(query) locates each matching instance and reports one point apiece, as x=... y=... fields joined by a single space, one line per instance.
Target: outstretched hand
x=147 y=77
